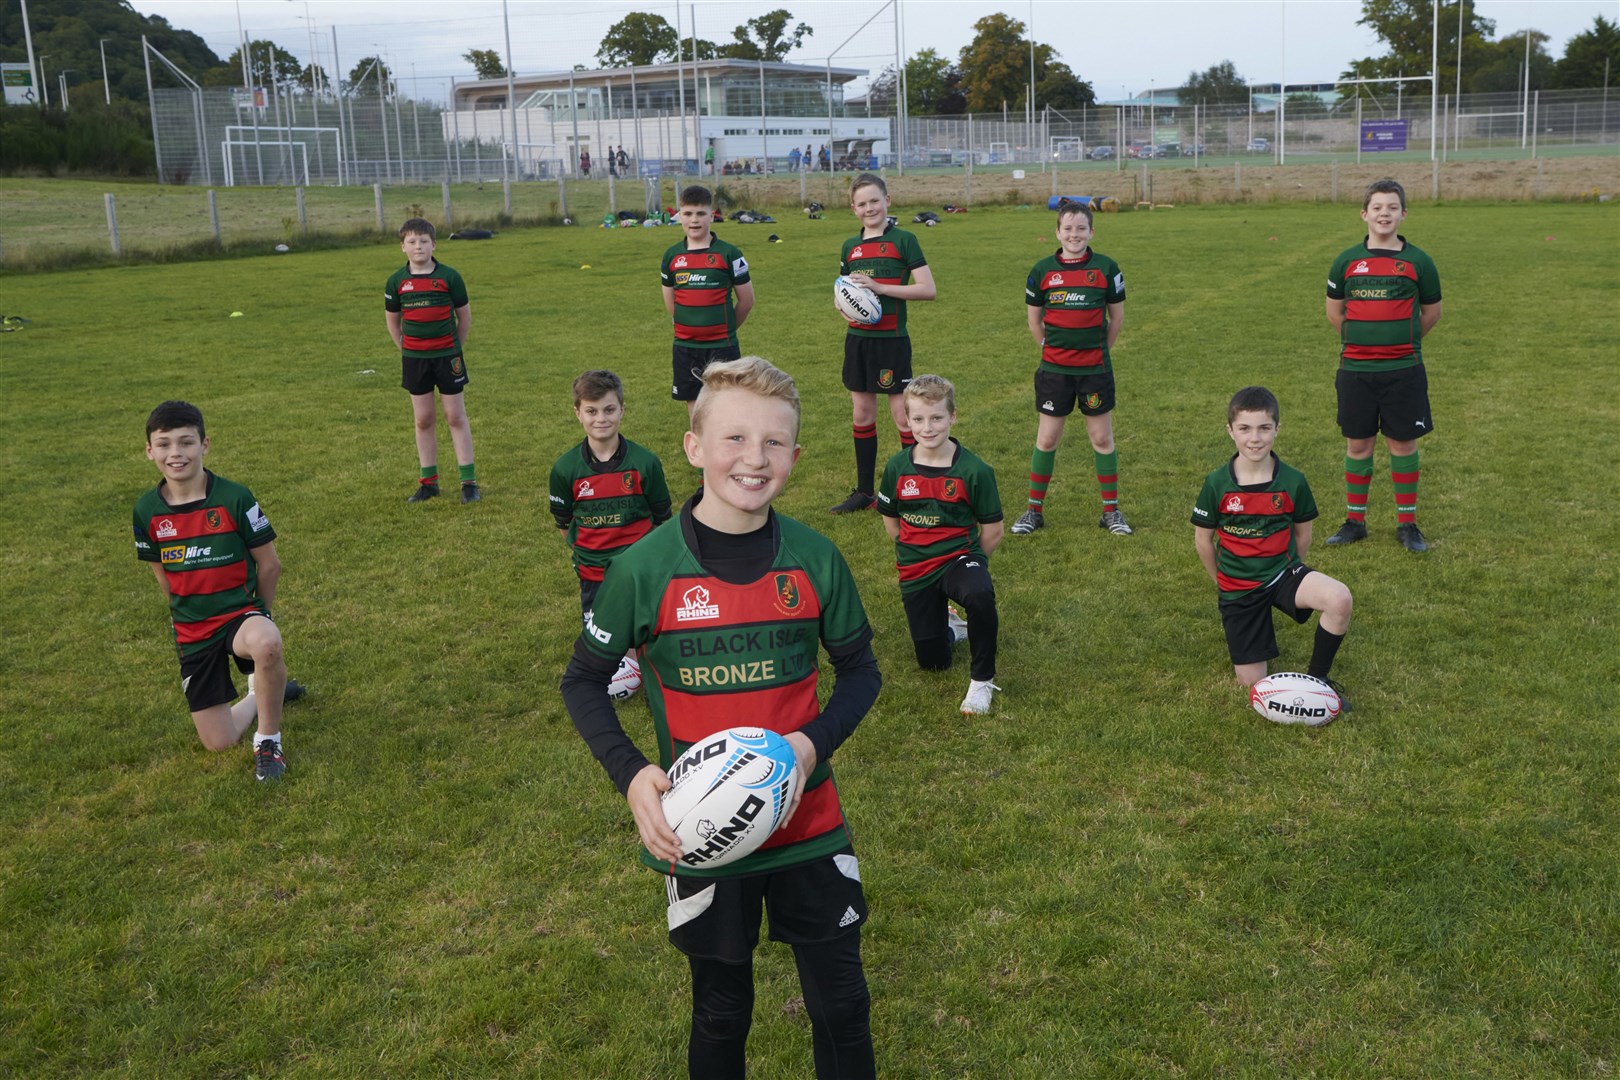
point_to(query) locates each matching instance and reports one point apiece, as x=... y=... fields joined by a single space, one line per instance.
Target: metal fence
x=223 y=137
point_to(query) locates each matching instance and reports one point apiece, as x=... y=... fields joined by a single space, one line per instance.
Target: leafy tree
x=1585 y=55
x=766 y=37
x=312 y=77
x=267 y=62
x=636 y=40
x=995 y=70
x=486 y=63
x=1219 y=84
x=1406 y=26
x=1298 y=105
x=1503 y=72
x=365 y=80
x=933 y=87
x=70 y=32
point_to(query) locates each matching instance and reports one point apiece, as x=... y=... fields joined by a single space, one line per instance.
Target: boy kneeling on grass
x=941 y=508
x=1252 y=531
x=213 y=553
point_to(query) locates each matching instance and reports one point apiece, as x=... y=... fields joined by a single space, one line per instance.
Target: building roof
x=620 y=76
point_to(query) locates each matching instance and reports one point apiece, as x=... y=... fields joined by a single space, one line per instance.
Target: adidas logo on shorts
x=849 y=917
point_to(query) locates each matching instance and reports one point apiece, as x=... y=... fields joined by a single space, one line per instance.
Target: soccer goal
x=265 y=161
x=1067 y=148
x=1000 y=153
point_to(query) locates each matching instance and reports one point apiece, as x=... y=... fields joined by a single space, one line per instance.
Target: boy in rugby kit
x=877 y=359
x=213 y=553
x=1075 y=298
x=700 y=275
x=606 y=493
x=941 y=508
x=1383 y=298
x=1252 y=531
x=730 y=604
x=425 y=304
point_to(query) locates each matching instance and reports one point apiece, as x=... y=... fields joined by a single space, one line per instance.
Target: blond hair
x=933 y=388
x=754 y=374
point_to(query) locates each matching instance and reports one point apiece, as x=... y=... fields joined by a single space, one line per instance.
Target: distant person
x=213 y=553
x=708 y=158
x=1383 y=298
x=624 y=162
x=826 y=158
x=429 y=319
x=806 y=158
x=941 y=508
x=1252 y=531
x=793 y=160
x=877 y=359
x=1075 y=299
x=606 y=493
x=708 y=292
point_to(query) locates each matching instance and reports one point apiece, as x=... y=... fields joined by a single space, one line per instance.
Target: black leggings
x=835 y=996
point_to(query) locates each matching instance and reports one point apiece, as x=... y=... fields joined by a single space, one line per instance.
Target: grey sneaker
x=1028 y=522
x=268 y=763
x=470 y=493
x=978 y=697
x=1410 y=537
x=1349 y=533
x=856 y=500
x=423 y=493
x=1114 y=522
x=956 y=624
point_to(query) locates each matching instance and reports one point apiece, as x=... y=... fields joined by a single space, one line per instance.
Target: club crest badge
x=787 y=592
x=213 y=518
x=885 y=377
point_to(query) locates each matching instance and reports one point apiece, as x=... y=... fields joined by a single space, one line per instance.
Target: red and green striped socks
x=907 y=440
x=430 y=475
x=1403 y=469
x=1040 y=475
x=1357 y=478
x=1108 y=479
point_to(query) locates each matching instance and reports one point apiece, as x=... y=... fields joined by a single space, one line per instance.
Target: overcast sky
x=1116 y=45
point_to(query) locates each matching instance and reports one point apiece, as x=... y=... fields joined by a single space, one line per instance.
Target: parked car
x=1259 y=146
x=1196 y=149
x=1101 y=153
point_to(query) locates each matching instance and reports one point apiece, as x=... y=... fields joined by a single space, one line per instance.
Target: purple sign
x=1377 y=135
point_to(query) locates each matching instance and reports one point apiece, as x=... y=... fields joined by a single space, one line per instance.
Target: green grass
x=1123 y=871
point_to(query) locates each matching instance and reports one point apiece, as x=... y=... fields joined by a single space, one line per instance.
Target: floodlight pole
x=241 y=40
x=680 y=86
x=106 y=86
x=1434 y=78
x=511 y=87
x=28 y=39
x=44 y=91
x=61 y=80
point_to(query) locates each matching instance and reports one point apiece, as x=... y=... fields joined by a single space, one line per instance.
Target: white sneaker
x=626 y=681
x=1114 y=522
x=978 y=697
x=956 y=624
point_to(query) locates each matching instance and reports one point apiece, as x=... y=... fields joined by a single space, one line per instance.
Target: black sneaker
x=268 y=763
x=294 y=691
x=857 y=500
x=1410 y=537
x=423 y=493
x=470 y=493
x=1344 y=699
x=1349 y=533
x=1028 y=522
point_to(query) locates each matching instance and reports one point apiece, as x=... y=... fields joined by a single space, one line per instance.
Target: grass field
x=1122 y=872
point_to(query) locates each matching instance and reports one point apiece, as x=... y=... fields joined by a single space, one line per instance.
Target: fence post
x=444 y=187
x=562 y=197
x=1434 y=185
x=804 y=194
x=506 y=195
x=1333 y=195
x=1054 y=178
x=303 y=215
x=213 y=216
x=1237 y=179
x=112 y=224
x=613 y=198
x=376 y=194
x=967 y=181
x=1541 y=164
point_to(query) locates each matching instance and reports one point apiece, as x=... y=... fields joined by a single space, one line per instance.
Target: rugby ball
x=856 y=303
x=729 y=792
x=1291 y=698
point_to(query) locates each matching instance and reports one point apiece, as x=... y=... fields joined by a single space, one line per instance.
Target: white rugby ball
x=856 y=303
x=730 y=791
x=1291 y=698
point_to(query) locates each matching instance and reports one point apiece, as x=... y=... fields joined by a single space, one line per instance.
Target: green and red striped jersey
x=607 y=505
x=940 y=510
x=427 y=305
x=1254 y=524
x=889 y=258
x=205 y=550
x=719 y=655
x=705 y=281
x=1074 y=295
x=1384 y=292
